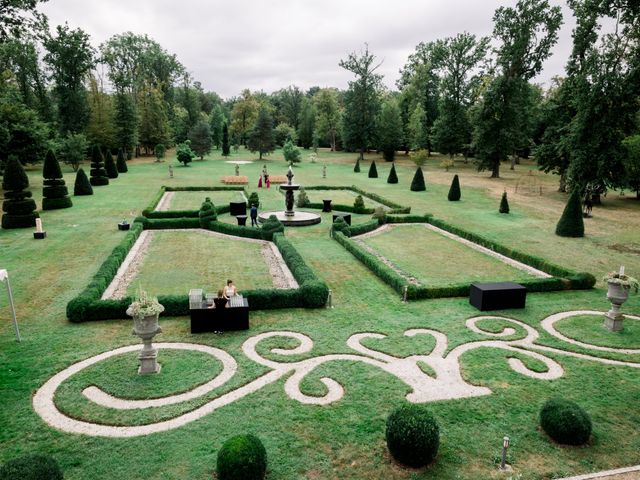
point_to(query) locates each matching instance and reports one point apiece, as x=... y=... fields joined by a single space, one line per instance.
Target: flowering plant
x=625 y=281
x=144 y=306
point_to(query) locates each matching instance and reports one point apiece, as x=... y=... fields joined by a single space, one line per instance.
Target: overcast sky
x=270 y=44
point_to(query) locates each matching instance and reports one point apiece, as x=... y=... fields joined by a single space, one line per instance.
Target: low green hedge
x=394 y=207
x=150 y=210
x=230 y=229
x=172 y=214
x=220 y=188
x=366 y=227
x=563 y=279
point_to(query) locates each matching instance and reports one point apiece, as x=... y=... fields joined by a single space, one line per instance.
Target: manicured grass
x=339 y=197
x=178 y=261
x=344 y=439
x=590 y=329
x=193 y=200
x=434 y=259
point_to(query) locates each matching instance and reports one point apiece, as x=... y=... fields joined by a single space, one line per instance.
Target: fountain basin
x=298 y=219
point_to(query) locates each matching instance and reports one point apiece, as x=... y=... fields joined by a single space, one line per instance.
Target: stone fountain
x=289 y=217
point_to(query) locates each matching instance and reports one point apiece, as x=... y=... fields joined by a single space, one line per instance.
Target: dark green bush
x=169 y=223
x=121 y=163
x=565 y=422
x=19 y=207
x=360 y=228
x=82 y=185
x=418 y=184
x=236 y=230
x=373 y=170
x=339 y=225
x=56 y=203
x=504 y=203
x=110 y=165
x=242 y=457
x=31 y=467
x=97 y=172
x=393 y=176
x=271 y=226
x=207 y=213
x=254 y=199
x=358 y=204
x=55 y=194
x=454 y=190
x=412 y=435
x=571 y=223
x=357 y=167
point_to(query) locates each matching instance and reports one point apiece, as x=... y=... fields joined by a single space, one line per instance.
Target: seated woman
x=220 y=301
x=230 y=290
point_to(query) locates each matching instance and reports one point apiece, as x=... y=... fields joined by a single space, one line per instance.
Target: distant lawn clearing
x=193 y=200
x=433 y=259
x=177 y=261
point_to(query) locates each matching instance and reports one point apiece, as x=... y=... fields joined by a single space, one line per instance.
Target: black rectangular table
x=237 y=208
x=497 y=296
x=206 y=319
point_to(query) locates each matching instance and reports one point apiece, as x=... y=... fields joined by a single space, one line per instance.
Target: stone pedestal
x=617 y=295
x=146 y=328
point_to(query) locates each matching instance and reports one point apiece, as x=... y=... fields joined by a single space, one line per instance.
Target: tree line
x=464 y=96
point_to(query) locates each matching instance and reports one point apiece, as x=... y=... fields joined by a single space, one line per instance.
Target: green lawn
x=590 y=329
x=193 y=200
x=178 y=261
x=344 y=439
x=434 y=259
x=339 y=197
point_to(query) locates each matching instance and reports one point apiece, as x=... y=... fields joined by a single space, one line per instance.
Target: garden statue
x=324 y=171
x=237 y=170
x=145 y=311
x=619 y=286
x=170 y=171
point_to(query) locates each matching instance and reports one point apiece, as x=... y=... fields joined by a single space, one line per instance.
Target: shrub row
x=394 y=207
x=169 y=223
x=366 y=227
x=172 y=214
x=221 y=188
x=563 y=279
x=154 y=202
x=229 y=229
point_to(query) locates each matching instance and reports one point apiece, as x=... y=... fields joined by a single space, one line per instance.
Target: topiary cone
x=55 y=194
x=454 y=190
x=110 y=165
x=82 y=185
x=121 y=163
x=393 y=177
x=418 y=184
x=357 y=167
x=97 y=172
x=373 y=170
x=571 y=223
x=504 y=204
x=18 y=205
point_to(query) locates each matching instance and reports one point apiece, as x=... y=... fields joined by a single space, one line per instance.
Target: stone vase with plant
x=619 y=285
x=145 y=311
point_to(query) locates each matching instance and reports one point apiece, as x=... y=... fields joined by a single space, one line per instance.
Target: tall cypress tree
x=571 y=223
x=55 y=194
x=418 y=184
x=373 y=171
x=97 y=172
x=82 y=185
x=356 y=168
x=18 y=205
x=393 y=177
x=121 y=163
x=454 y=190
x=110 y=165
x=226 y=146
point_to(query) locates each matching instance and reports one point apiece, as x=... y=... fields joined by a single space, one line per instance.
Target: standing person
x=230 y=290
x=254 y=215
x=260 y=182
x=170 y=171
x=268 y=182
x=265 y=175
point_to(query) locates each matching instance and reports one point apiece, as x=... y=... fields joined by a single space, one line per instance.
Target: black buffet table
x=497 y=296
x=206 y=319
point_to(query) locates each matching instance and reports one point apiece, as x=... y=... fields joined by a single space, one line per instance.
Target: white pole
x=5 y=276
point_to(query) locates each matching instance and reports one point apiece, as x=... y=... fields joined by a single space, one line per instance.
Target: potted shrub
x=145 y=310
x=618 y=287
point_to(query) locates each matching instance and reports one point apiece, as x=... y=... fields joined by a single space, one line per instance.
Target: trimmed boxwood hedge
x=393 y=207
x=151 y=213
x=563 y=279
x=87 y=305
x=242 y=457
x=360 y=228
x=413 y=435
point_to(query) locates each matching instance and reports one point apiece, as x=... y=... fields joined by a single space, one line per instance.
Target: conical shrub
x=121 y=163
x=82 y=185
x=504 y=203
x=393 y=177
x=373 y=170
x=417 y=184
x=18 y=205
x=54 y=193
x=110 y=164
x=357 y=167
x=454 y=190
x=97 y=172
x=571 y=223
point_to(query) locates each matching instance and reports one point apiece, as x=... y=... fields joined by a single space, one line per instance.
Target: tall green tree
x=226 y=145
x=307 y=124
x=288 y=104
x=390 y=129
x=328 y=115
x=361 y=101
x=20 y=18
x=418 y=136
x=526 y=34
x=243 y=116
x=125 y=122
x=70 y=57
x=261 y=138
x=200 y=137
x=632 y=163
x=216 y=122
x=154 y=123
x=101 y=128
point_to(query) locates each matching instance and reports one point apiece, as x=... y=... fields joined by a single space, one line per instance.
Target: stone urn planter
x=618 y=287
x=145 y=311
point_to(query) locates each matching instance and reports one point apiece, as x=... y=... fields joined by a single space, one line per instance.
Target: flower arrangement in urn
x=619 y=285
x=145 y=310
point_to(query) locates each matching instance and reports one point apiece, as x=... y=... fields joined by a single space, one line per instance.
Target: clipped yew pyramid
x=82 y=185
x=373 y=170
x=393 y=176
x=18 y=206
x=98 y=173
x=121 y=163
x=110 y=164
x=54 y=193
x=454 y=190
x=571 y=223
x=417 y=184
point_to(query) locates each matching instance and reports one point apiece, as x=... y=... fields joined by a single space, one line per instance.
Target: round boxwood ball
x=31 y=467
x=413 y=436
x=565 y=421
x=242 y=457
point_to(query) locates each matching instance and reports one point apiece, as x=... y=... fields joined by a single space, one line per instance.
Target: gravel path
x=386 y=261
x=165 y=201
x=280 y=273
